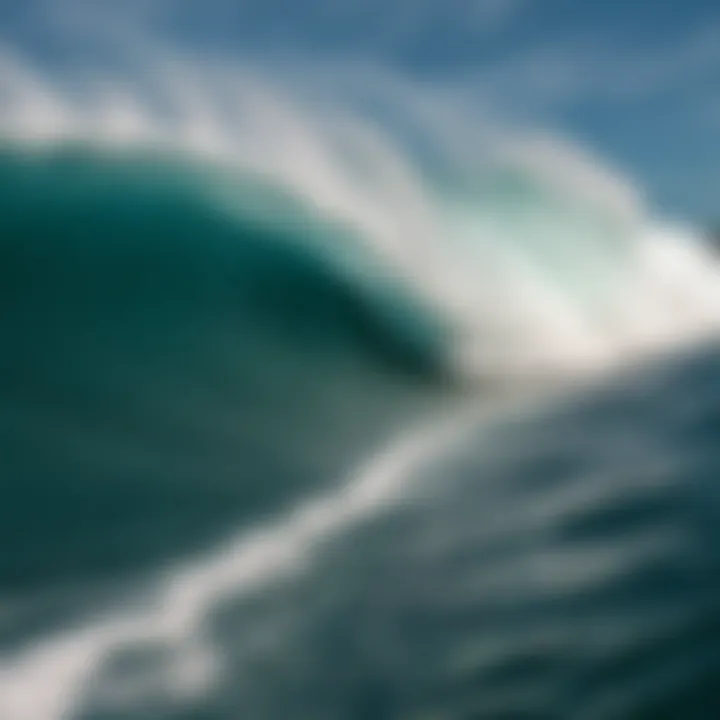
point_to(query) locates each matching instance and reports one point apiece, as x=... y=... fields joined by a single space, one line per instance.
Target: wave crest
x=537 y=259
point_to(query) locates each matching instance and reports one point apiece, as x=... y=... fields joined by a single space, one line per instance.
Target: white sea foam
x=48 y=680
x=538 y=258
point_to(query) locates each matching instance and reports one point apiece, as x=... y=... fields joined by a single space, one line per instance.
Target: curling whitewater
x=308 y=425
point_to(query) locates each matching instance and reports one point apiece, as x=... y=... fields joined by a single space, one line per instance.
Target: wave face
x=278 y=438
x=155 y=350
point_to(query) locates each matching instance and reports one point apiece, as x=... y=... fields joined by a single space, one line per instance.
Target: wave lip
x=536 y=258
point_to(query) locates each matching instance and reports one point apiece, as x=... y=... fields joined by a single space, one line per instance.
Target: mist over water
x=342 y=403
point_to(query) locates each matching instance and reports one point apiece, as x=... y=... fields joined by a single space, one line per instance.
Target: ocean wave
x=224 y=292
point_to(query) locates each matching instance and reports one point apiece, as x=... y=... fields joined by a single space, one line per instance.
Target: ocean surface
x=320 y=420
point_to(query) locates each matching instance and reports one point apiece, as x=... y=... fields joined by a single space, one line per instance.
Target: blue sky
x=636 y=80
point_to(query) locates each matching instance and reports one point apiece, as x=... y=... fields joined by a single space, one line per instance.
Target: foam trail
x=48 y=680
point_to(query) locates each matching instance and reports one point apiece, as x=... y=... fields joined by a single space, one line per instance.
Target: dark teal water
x=174 y=374
x=154 y=355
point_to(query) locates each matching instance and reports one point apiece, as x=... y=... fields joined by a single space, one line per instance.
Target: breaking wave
x=223 y=292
